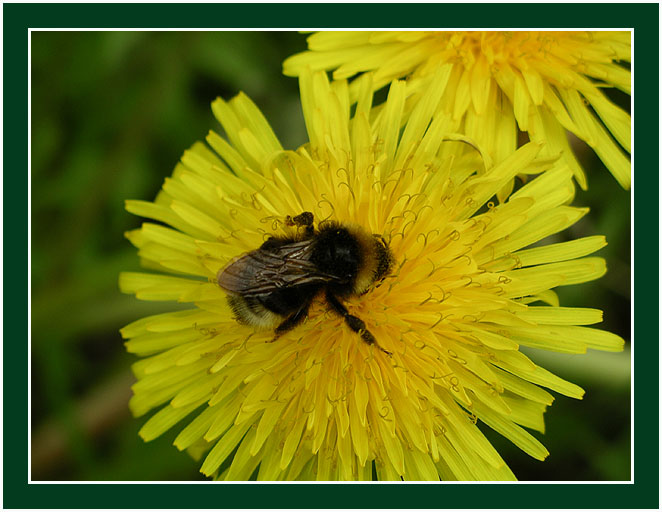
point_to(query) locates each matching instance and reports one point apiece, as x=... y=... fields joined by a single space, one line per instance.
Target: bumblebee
x=274 y=285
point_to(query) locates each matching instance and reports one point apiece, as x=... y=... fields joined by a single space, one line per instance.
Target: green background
x=111 y=114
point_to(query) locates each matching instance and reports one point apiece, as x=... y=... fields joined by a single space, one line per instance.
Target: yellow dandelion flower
x=464 y=293
x=543 y=83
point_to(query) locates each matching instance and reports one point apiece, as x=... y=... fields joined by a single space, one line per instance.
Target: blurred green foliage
x=111 y=114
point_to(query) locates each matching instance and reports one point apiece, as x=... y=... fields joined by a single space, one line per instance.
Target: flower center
x=501 y=47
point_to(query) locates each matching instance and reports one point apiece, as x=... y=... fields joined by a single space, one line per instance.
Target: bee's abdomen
x=288 y=300
x=269 y=309
x=249 y=311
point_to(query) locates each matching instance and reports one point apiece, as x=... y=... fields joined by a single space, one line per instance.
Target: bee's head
x=356 y=258
x=384 y=258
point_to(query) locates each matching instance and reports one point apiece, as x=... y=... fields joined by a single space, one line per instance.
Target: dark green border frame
x=642 y=494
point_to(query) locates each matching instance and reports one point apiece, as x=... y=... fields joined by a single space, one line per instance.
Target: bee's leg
x=354 y=322
x=291 y=322
x=303 y=220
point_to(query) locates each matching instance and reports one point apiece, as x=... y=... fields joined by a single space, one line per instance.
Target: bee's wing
x=262 y=271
